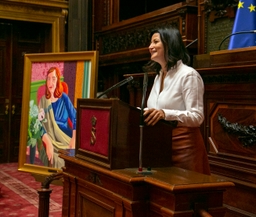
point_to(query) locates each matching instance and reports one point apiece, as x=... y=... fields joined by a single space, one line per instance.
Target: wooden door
x=16 y=39
x=5 y=71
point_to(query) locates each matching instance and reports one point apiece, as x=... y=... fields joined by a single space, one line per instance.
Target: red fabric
x=102 y=126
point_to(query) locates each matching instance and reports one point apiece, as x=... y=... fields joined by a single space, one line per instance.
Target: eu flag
x=245 y=21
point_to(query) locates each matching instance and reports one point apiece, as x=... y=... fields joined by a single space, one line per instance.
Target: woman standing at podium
x=177 y=95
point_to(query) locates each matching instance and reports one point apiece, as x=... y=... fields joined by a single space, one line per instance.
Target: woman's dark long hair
x=174 y=49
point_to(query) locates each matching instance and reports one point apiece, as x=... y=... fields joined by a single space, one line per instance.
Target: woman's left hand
x=152 y=116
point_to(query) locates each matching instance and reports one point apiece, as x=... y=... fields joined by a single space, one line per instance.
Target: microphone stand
x=145 y=84
x=235 y=33
x=119 y=84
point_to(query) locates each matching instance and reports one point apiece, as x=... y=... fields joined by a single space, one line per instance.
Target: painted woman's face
x=156 y=49
x=52 y=82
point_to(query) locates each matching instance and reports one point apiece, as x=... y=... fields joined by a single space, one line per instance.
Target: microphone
x=236 y=33
x=119 y=84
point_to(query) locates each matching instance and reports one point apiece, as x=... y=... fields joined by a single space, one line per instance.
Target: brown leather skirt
x=188 y=150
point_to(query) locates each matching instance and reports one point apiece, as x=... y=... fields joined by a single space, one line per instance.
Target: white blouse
x=182 y=96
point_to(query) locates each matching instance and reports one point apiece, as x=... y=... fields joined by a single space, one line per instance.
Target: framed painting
x=51 y=86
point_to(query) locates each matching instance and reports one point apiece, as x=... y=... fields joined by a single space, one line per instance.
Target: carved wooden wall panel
x=123 y=46
x=128 y=40
x=230 y=126
x=210 y=11
x=232 y=136
x=232 y=150
x=234 y=124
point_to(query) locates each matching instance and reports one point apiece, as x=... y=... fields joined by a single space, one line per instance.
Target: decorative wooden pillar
x=44 y=194
x=44 y=199
x=79 y=28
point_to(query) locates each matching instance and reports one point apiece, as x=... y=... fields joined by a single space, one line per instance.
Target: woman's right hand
x=152 y=116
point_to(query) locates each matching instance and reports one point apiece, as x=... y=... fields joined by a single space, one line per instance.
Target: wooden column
x=44 y=194
x=79 y=25
x=44 y=199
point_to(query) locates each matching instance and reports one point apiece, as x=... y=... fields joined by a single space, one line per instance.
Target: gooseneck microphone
x=236 y=33
x=119 y=84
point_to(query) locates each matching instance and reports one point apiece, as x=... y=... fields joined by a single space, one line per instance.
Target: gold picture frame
x=78 y=69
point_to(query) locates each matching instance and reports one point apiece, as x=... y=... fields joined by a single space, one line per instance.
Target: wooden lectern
x=108 y=135
x=101 y=179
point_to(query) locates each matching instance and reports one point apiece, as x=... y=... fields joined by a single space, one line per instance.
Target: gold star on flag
x=240 y=4
x=252 y=8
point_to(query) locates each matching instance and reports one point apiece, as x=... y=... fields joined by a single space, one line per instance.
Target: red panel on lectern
x=95 y=122
x=117 y=136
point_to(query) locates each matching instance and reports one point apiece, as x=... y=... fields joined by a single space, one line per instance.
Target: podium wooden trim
x=90 y=190
x=100 y=184
x=118 y=136
x=229 y=59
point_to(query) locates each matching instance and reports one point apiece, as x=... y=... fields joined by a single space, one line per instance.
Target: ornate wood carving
x=94 y=178
x=210 y=10
x=220 y=7
x=131 y=38
x=231 y=78
x=246 y=134
x=44 y=193
x=133 y=34
x=230 y=82
x=106 y=12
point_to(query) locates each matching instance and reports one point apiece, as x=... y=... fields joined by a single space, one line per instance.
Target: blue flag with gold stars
x=245 y=21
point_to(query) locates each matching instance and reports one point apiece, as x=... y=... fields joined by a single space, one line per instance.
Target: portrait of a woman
x=59 y=129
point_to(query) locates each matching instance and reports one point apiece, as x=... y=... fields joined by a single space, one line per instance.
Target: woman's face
x=156 y=49
x=52 y=82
